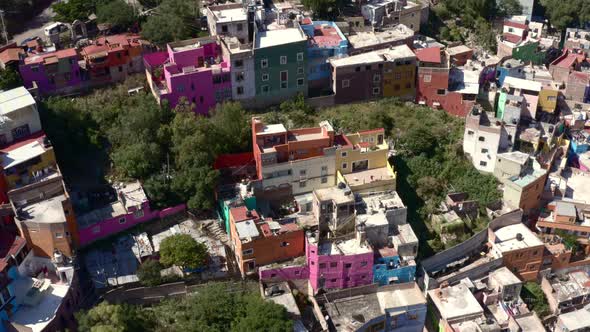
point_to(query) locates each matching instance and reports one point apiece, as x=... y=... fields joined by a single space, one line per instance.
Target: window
x=284 y=244
x=334 y=264
x=368 y=67
x=120 y=69
x=333 y=280
x=122 y=220
x=300 y=71
x=324 y=168
x=441 y=92
x=345 y=83
x=357 y=69
x=322 y=265
x=264 y=63
x=484 y=150
x=324 y=179
x=427 y=78
x=283 y=59
x=239 y=27
x=265 y=89
x=363 y=263
x=138 y=213
x=483 y=163
x=284 y=79
x=247 y=252
x=265 y=77
x=302 y=184
x=348 y=265
x=59 y=235
x=251 y=266
x=482 y=139
x=344 y=154
x=224 y=28
x=239 y=77
x=344 y=165
x=238 y=63
x=302 y=172
x=470 y=132
x=180 y=88
x=300 y=56
x=35 y=69
x=397 y=76
x=376 y=91
x=240 y=90
x=20 y=132
x=300 y=82
x=376 y=78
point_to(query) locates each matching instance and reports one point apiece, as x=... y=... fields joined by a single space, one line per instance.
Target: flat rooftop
x=520 y=83
x=344 y=247
x=576 y=320
x=531 y=323
x=228 y=13
x=285 y=299
x=15 y=99
x=270 y=129
x=190 y=44
x=335 y=194
x=21 y=152
x=575 y=184
x=455 y=302
x=95 y=216
x=369 y=176
x=368 y=39
x=507 y=238
x=36 y=317
x=45 y=212
x=363 y=58
x=523 y=181
x=518 y=157
x=270 y=38
x=503 y=276
x=406 y=235
x=458 y=50
x=247 y=229
x=357 y=310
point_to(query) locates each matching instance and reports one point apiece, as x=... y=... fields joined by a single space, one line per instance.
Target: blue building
x=325 y=40
x=388 y=268
x=512 y=68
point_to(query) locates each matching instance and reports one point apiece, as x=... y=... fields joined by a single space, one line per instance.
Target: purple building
x=52 y=72
x=190 y=71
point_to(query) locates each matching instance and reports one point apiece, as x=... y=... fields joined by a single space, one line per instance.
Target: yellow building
x=399 y=73
x=548 y=98
x=28 y=162
x=361 y=161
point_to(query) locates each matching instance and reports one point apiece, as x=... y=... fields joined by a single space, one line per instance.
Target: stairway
x=212 y=227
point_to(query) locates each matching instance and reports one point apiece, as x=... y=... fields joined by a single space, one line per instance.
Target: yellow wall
x=544 y=102
x=47 y=160
x=377 y=158
x=398 y=76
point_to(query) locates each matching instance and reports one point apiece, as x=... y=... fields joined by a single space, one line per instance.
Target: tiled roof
x=11 y=54
x=431 y=54
x=515 y=25
x=511 y=38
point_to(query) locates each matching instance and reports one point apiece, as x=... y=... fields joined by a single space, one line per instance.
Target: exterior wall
x=504 y=72
x=41 y=237
x=64 y=76
x=115 y=225
x=383 y=273
x=338 y=276
x=314 y=178
x=318 y=67
x=506 y=168
x=529 y=52
x=399 y=79
x=15 y=178
x=525 y=263
x=285 y=273
x=410 y=17
x=242 y=76
x=577 y=90
x=504 y=50
x=482 y=160
x=28 y=116
x=296 y=71
x=237 y=29
x=364 y=83
x=348 y=155
x=548 y=100
x=527 y=198
x=460 y=59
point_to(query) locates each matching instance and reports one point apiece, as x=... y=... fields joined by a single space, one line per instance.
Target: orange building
x=257 y=241
x=520 y=249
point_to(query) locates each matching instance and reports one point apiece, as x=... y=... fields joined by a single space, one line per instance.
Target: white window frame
x=263 y=63
x=300 y=56
x=300 y=71
x=376 y=78
x=376 y=90
x=265 y=86
x=283 y=59
x=248 y=252
x=345 y=84
x=300 y=82
x=427 y=78
x=285 y=81
x=265 y=77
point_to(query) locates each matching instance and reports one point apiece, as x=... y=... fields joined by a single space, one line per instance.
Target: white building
x=18 y=115
x=228 y=20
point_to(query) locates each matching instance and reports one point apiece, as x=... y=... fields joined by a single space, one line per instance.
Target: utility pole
x=4 y=33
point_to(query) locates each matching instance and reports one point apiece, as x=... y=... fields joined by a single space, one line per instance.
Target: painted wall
x=386 y=268
x=47 y=159
x=114 y=225
x=334 y=269
x=529 y=52
x=318 y=66
x=399 y=79
x=67 y=75
x=285 y=273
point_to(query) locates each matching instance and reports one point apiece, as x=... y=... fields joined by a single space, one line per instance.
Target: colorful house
x=190 y=71
x=280 y=62
x=52 y=72
x=388 y=268
x=256 y=241
x=112 y=58
x=325 y=40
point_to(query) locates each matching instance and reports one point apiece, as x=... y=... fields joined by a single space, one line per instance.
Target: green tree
x=509 y=8
x=113 y=318
x=567 y=13
x=533 y=296
x=150 y=3
x=183 y=251
x=9 y=79
x=149 y=273
x=117 y=13
x=69 y=11
x=137 y=160
x=173 y=20
x=326 y=9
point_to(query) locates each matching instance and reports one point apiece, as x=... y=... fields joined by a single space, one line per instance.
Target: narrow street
x=35 y=26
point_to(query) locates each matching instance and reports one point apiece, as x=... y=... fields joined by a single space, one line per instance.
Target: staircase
x=212 y=227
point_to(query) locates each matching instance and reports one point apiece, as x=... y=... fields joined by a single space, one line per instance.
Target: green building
x=530 y=52
x=280 y=62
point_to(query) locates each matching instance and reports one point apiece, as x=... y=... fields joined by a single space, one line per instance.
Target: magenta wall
x=285 y=273
x=339 y=276
x=112 y=226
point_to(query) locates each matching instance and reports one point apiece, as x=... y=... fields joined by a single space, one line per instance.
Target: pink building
x=337 y=263
x=131 y=208
x=191 y=71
